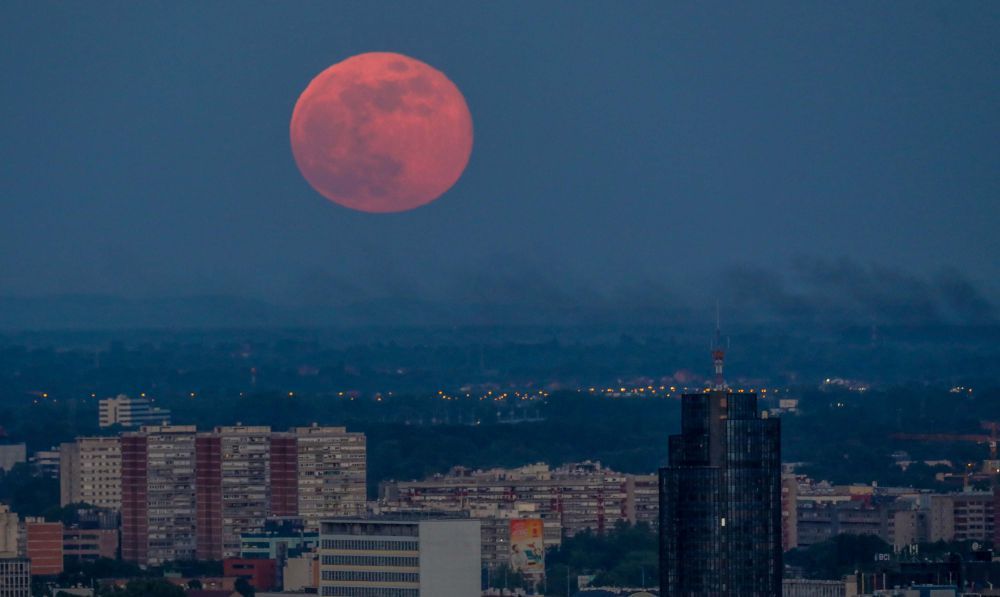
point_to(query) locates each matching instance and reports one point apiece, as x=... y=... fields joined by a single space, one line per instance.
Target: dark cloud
x=845 y=290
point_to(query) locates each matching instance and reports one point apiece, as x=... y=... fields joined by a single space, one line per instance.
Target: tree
x=243 y=587
x=839 y=555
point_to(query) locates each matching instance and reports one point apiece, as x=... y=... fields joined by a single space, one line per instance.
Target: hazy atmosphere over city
x=642 y=159
x=499 y=299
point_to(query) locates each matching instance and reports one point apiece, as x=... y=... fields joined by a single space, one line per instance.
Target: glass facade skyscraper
x=720 y=499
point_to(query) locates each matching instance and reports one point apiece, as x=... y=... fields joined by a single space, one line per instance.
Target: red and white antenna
x=718 y=354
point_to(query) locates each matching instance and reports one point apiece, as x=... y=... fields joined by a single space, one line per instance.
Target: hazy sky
x=617 y=145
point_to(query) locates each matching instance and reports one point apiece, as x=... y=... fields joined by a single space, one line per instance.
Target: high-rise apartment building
x=186 y=494
x=233 y=487
x=131 y=412
x=720 y=509
x=332 y=472
x=158 y=494
x=401 y=558
x=90 y=472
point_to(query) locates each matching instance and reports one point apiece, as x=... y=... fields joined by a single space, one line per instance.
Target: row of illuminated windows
x=398 y=561
x=370 y=576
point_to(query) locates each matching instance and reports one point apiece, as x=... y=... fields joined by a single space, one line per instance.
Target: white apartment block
x=332 y=472
x=131 y=412
x=91 y=472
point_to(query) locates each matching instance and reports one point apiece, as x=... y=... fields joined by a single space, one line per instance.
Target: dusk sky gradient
x=653 y=145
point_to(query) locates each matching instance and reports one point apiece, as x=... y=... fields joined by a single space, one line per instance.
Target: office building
x=401 y=558
x=91 y=472
x=720 y=508
x=44 y=546
x=15 y=577
x=131 y=412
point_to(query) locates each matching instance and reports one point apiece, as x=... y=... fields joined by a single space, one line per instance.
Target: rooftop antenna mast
x=718 y=354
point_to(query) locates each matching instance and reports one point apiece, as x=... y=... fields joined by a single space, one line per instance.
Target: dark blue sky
x=621 y=150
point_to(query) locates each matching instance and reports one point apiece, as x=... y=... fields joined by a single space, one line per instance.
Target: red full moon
x=381 y=132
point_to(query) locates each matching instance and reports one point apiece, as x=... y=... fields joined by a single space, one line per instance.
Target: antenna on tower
x=718 y=354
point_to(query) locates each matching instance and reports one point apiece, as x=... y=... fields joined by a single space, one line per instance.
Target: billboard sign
x=527 y=546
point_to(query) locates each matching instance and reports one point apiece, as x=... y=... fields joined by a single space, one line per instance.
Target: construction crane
x=990 y=440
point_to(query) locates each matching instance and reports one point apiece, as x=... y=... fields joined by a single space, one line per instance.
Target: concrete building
x=45 y=463
x=789 y=512
x=15 y=577
x=423 y=558
x=966 y=516
x=187 y=494
x=91 y=472
x=573 y=497
x=820 y=520
x=261 y=574
x=44 y=546
x=9 y=524
x=90 y=544
x=11 y=454
x=158 y=494
x=301 y=574
x=800 y=587
x=332 y=473
x=131 y=412
x=233 y=487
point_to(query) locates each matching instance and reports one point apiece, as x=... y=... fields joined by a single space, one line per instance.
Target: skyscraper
x=720 y=498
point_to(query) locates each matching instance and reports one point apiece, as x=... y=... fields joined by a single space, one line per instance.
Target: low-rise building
x=12 y=454
x=90 y=544
x=44 y=546
x=404 y=558
x=45 y=463
x=131 y=412
x=260 y=573
x=576 y=496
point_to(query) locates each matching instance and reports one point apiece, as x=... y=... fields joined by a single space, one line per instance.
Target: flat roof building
x=15 y=577
x=90 y=472
x=131 y=412
x=400 y=558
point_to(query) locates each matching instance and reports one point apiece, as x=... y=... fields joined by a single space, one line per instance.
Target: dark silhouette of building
x=720 y=498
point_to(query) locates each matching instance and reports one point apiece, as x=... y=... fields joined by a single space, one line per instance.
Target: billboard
x=527 y=546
